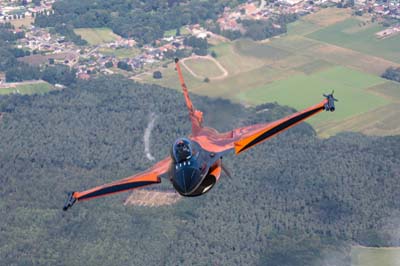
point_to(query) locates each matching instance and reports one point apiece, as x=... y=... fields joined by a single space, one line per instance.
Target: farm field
x=254 y=49
x=23 y=22
x=121 y=52
x=365 y=256
x=33 y=88
x=96 y=35
x=328 y=16
x=301 y=91
x=349 y=34
x=295 y=69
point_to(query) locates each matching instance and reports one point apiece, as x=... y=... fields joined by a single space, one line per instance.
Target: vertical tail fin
x=196 y=116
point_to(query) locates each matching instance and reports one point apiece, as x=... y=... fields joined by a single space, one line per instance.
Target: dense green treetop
x=392 y=73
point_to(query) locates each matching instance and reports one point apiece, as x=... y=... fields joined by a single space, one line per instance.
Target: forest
x=256 y=29
x=293 y=200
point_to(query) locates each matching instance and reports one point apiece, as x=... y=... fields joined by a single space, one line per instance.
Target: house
x=291 y=2
x=84 y=76
x=2 y=78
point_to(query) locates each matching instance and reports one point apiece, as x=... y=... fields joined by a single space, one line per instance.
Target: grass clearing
x=328 y=16
x=366 y=256
x=302 y=27
x=96 y=36
x=23 y=22
x=235 y=62
x=203 y=67
x=347 y=57
x=382 y=121
x=293 y=43
x=291 y=62
x=314 y=66
x=259 y=50
x=390 y=89
x=121 y=52
x=33 y=88
x=183 y=30
x=363 y=41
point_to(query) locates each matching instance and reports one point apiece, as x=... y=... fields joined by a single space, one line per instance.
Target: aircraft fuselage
x=196 y=175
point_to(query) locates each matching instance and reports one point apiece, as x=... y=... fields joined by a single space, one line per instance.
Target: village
x=50 y=48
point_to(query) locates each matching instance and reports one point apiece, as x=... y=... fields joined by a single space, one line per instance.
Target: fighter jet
x=194 y=164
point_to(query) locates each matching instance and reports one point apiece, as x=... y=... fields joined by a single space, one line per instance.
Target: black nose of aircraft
x=186 y=178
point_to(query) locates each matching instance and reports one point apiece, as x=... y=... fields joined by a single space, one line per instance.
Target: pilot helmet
x=182 y=150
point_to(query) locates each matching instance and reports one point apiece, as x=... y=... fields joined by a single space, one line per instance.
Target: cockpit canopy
x=182 y=150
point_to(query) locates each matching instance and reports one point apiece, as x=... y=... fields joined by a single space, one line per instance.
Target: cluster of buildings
x=263 y=11
x=12 y=9
x=256 y=10
x=389 y=9
x=40 y=40
x=93 y=59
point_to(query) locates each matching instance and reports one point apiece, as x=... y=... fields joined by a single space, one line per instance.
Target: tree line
x=392 y=73
x=256 y=29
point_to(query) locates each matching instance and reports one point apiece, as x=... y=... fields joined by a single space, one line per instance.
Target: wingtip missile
x=330 y=104
x=70 y=201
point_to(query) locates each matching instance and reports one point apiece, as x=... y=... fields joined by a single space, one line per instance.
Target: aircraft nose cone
x=186 y=179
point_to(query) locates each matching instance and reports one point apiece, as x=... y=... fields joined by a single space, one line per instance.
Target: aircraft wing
x=146 y=178
x=249 y=136
x=242 y=139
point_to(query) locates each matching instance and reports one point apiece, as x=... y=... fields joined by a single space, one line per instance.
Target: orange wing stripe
x=118 y=186
x=277 y=127
x=146 y=178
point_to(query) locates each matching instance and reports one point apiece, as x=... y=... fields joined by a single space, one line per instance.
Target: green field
x=301 y=27
x=96 y=36
x=391 y=90
x=258 y=50
x=233 y=60
x=23 y=22
x=204 y=67
x=35 y=88
x=121 y=52
x=301 y=91
x=363 y=256
x=168 y=33
x=344 y=34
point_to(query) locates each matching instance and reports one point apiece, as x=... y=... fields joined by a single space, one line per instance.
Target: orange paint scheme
x=216 y=170
x=277 y=127
x=148 y=177
x=196 y=116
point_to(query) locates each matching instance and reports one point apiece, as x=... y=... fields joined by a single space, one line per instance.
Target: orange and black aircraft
x=195 y=162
